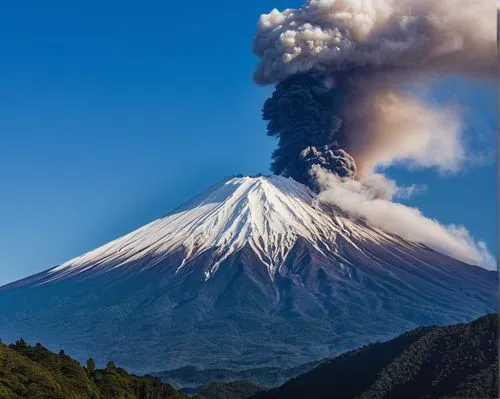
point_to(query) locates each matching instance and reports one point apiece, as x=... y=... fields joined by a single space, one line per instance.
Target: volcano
x=255 y=271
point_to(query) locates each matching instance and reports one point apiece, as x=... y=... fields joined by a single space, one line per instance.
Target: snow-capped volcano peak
x=268 y=214
x=251 y=260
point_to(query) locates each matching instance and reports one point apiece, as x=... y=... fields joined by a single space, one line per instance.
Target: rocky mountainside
x=253 y=272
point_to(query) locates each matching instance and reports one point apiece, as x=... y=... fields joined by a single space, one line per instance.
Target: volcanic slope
x=253 y=272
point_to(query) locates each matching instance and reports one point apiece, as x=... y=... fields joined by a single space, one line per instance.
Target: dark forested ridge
x=229 y=390
x=459 y=361
x=267 y=377
x=33 y=372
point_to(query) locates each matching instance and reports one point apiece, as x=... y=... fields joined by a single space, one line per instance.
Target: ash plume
x=300 y=113
x=345 y=101
x=343 y=70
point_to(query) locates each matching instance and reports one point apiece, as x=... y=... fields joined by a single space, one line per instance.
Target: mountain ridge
x=456 y=361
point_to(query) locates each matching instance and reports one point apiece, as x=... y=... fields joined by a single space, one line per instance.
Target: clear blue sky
x=111 y=115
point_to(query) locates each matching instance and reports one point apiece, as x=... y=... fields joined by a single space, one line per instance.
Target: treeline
x=34 y=372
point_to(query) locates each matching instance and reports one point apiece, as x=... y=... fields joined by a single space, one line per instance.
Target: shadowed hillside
x=459 y=361
x=229 y=390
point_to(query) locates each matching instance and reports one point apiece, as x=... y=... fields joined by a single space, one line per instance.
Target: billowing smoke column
x=301 y=113
x=343 y=70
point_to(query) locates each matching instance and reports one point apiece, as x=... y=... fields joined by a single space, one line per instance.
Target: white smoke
x=378 y=186
x=361 y=201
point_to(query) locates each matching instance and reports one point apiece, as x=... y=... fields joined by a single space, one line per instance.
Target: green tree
x=90 y=367
x=110 y=366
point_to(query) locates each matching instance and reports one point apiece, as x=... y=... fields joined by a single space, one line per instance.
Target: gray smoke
x=343 y=69
x=301 y=113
